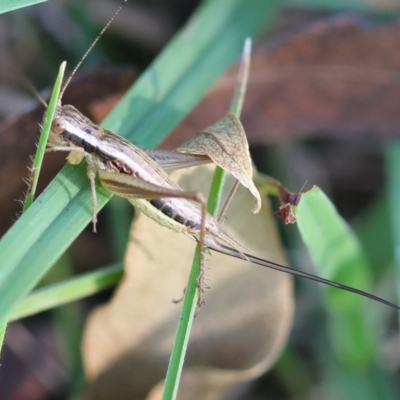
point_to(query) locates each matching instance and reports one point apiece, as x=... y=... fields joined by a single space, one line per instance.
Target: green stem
x=44 y=134
x=392 y=155
x=3 y=327
x=191 y=295
x=183 y=331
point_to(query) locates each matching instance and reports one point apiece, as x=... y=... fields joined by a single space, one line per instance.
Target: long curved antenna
x=269 y=264
x=34 y=91
x=91 y=47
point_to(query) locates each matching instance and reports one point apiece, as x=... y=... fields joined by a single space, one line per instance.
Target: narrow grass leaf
x=373 y=227
x=67 y=291
x=338 y=256
x=44 y=135
x=9 y=5
x=392 y=156
x=191 y=296
x=343 y=5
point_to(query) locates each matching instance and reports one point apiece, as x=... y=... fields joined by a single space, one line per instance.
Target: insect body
x=130 y=172
x=138 y=176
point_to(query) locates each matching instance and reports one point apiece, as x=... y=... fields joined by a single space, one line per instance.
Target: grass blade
x=190 y=299
x=44 y=134
x=67 y=291
x=9 y=5
x=338 y=256
x=392 y=155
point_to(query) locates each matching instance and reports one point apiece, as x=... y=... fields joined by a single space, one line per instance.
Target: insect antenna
x=91 y=47
x=29 y=85
x=270 y=264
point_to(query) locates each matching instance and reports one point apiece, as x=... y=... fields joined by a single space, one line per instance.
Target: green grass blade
x=3 y=327
x=41 y=148
x=392 y=156
x=69 y=290
x=218 y=180
x=9 y=5
x=163 y=95
x=190 y=299
x=343 y=5
x=44 y=134
x=338 y=256
x=373 y=227
x=184 y=327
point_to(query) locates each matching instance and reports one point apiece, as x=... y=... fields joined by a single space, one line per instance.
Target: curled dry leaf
x=236 y=336
x=226 y=144
x=286 y=214
x=289 y=201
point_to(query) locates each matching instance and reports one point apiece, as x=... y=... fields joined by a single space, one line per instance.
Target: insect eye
x=58 y=125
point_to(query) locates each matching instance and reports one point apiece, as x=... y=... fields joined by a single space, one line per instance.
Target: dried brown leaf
x=237 y=334
x=289 y=201
x=226 y=144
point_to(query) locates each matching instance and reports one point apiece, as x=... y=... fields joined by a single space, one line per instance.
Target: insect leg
x=91 y=174
x=133 y=188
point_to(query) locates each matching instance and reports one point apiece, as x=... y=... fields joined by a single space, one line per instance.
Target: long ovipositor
x=130 y=172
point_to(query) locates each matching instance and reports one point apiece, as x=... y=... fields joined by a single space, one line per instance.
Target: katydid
x=139 y=176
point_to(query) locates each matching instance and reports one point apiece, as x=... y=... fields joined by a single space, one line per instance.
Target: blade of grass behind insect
x=338 y=256
x=68 y=322
x=35 y=169
x=373 y=227
x=190 y=298
x=44 y=135
x=69 y=290
x=392 y=157
x=342 y=5
x=3 y=327
x=119 y=217
x=163 y=95
x=217 y=184
x=9 y=5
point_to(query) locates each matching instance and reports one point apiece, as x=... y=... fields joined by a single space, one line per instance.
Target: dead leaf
x=289 y=201
x=238 y=333
x=286 y=214
x=226 y=144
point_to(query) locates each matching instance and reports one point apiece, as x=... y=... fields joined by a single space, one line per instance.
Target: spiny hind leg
x=132 y=187
x=202 y=278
